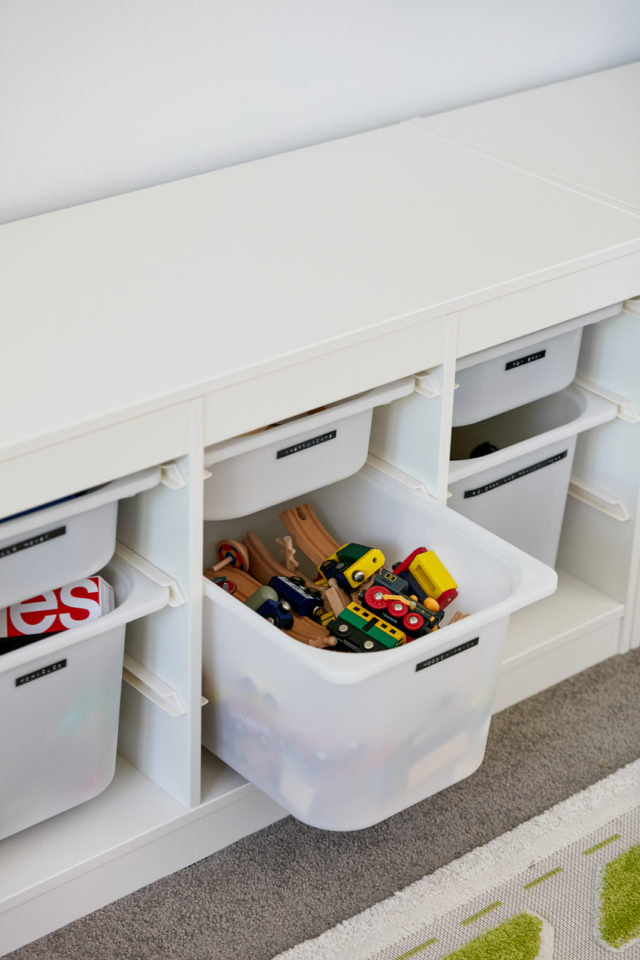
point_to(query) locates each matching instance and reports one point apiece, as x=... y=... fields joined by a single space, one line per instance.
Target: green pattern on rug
x=515 y=939
x=619 y=921
x=481 y=913
x=580 y=903
x=562 y=886
x=418 y=949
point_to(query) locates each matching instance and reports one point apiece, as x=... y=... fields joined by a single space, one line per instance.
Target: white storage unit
x=59 y=705
x=345 y=740
x=519 y=491
x=391 y=287
x=49 y=547
x=287 y=460
x=521 y=370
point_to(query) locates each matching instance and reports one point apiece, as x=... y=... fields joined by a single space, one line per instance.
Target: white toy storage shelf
x=418 y=320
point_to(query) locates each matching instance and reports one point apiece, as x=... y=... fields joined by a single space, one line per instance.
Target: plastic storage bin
x=45 y=548
x=59 y=704
x=287 y=460
x=519 y=491
x=514 y=373
x=344 y=740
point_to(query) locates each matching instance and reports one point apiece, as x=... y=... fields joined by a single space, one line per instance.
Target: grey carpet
x=290 y=882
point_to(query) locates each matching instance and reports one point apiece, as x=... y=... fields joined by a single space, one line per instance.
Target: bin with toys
x=352 y=644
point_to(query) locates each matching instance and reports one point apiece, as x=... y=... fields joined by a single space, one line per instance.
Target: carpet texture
x=565 y=885
x=290 y=882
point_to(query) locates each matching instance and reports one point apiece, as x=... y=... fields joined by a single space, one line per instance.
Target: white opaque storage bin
x=344 y=740
x=519 y=371
x=59 y=703
x=519 y=491
x=287 y=460
x=44 y=549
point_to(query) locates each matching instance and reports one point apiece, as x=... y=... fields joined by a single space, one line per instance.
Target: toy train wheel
x=226 y=584
x=397 y=608
x=413 y=621
x=447 y=597
x=374 y=598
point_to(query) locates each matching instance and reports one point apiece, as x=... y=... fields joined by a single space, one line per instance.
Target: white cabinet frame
x=280 y=286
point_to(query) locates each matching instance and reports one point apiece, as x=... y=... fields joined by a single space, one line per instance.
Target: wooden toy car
x=303 y=600
x=428 y=577
x=266 y=602
x=351 y=565
x=360 y=630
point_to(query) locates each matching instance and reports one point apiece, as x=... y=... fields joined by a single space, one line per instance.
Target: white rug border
x=487 y=866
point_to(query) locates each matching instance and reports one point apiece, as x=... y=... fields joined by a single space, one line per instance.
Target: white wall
x=98 y=97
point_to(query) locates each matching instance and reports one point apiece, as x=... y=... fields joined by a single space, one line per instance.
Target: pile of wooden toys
x=355 y=603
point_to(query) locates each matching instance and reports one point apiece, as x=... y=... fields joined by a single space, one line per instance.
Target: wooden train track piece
x=313 y=634
x=335 y=599
x=304 y=630
x=245 y=583
x=309 y=534
x=263 y=564
x=458 y=615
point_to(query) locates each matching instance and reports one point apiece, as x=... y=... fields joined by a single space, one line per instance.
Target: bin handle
x=594 y=497
x=626 y=409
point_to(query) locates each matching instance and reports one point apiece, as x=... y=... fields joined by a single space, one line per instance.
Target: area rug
x=562 y=886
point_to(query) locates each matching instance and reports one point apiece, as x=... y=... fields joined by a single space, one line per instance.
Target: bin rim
x=529 y=339
x=595 y=410
x=95 y=497
x=302 y=424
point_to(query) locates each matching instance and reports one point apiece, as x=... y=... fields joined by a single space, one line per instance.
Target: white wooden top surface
x=585 y=131
x=132 y=303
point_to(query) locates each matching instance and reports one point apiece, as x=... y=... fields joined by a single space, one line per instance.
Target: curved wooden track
x=309 y=534
x=245 y=583
x=264 y=565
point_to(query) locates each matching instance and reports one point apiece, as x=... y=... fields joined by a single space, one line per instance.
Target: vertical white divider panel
x=595 y=546
x=634 y=615
x=165 y=527
x=414 y=434
x=632 y=620
x=631 y=624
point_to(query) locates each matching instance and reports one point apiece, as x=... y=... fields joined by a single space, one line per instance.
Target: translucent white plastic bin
x=59 y=704
x=260 y=469
x=519 y=492
x=47 y=548
x=344 y=740
x=514 y=373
